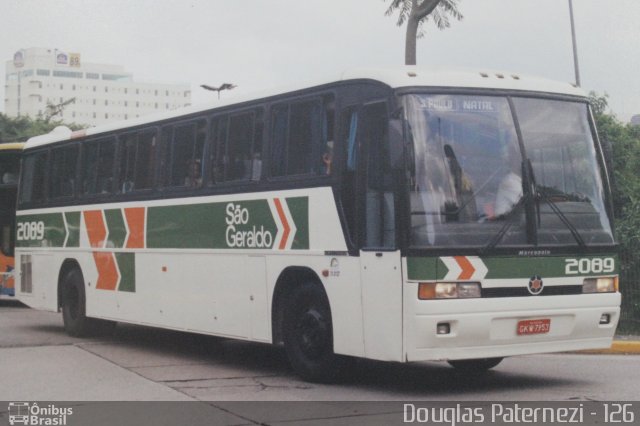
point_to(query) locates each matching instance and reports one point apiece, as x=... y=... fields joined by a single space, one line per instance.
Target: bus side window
x=32 y=188
x=64 y=162
x=137 y=154
x=221 y=159
x=239 y=144
x=98 y=160
x=183 y=155
x=302 y=137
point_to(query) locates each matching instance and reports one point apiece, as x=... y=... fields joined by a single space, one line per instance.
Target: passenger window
x=236 y=151
x=183 y=155
x=302 y=138
x=219 y=159
x=32 y=188
x=240 y=142
x=64 y=162
x=136 y=161
x=98 y=162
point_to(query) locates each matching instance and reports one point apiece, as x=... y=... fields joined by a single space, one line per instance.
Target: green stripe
x=422 y=268
x=299 y=208
x=116 y=227
x=205 y=226
x=432 y=268
x=53 y=234
x=73 y=226
x=127 y=266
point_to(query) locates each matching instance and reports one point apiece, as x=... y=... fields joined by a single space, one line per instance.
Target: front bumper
x=484 y=328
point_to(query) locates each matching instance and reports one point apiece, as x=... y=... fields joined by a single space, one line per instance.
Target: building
x=38 y=79
x=635 y=120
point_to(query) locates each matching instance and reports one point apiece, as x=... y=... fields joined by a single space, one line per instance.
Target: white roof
x=407 y=76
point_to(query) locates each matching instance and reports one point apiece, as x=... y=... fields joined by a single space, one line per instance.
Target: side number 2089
x=30 y=231
x=595 y=265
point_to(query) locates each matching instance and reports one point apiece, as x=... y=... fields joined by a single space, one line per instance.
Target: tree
x=416 y=13
x=22 y=128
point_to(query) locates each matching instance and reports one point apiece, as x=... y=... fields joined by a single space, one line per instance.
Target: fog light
x=443 y=328
x=605 y=319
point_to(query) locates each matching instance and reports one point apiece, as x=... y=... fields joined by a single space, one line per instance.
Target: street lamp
x=575 y=47
x=224 y=86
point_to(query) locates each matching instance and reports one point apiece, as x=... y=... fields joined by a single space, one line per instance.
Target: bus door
x=380 y=261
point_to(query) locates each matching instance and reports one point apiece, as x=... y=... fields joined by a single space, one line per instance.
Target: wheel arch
x=68 y=265
x=289 y=279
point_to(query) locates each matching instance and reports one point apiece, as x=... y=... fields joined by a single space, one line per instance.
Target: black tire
x=73 y=302
x=475 y=365
x=308 y=335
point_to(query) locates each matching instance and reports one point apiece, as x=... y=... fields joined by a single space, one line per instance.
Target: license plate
x=537 y=326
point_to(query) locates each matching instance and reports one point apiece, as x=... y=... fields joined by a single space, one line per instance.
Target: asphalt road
x=40 y=362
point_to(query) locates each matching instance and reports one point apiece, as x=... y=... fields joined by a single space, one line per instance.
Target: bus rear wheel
x=76 y=323
x=308 y=335
x=475 y=365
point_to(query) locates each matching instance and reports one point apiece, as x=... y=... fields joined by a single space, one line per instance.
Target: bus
x=391 y=214
x=9 y=169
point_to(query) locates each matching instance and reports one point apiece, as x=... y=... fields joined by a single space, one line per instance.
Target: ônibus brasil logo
x=31 y=414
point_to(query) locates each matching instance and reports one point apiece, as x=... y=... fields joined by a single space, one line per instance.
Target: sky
x=260 y=44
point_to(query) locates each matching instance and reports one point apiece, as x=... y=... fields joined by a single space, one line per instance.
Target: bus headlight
x=428 y=291
x=600 y=285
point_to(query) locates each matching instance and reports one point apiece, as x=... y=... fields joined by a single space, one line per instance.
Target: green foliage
x=22 y=128
x=441 y=15
x=624 y=140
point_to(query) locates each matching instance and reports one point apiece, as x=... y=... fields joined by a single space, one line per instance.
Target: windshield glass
x=467 y=187
x=559 y=144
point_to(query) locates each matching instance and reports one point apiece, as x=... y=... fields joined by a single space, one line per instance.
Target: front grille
x=556 y=290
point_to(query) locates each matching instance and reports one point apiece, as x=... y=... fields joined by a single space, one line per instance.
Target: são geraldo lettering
x=252 y=238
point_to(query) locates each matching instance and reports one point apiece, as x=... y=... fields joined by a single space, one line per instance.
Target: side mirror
x=396 y=143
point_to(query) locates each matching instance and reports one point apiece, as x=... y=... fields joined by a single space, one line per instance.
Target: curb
x=618 y=347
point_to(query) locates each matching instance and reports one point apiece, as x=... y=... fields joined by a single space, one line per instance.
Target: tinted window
x=64 y=162
x=33 y=178
x=236 y=153
x=302 y=138
x=136 y=161
x=183 y=150
x=98 y=161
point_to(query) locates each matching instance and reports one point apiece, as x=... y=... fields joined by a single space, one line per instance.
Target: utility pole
x=575 y=47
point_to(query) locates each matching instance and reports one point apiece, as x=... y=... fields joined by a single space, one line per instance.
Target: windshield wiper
x=554 y=207
x=511 y=216
x=541 y=193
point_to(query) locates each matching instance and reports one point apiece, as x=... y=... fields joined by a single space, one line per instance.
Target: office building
x=41 y=82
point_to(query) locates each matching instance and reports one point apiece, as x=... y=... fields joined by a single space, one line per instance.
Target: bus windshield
x=473 y=186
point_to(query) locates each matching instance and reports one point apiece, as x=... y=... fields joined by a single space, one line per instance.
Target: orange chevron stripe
x=107 y=270
x=283 y=219
x=96 y=229
x=105 y=262
x=135 y=222
x=467 y=268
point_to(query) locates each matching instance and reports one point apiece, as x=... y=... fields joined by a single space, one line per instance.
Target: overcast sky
x=258 y=44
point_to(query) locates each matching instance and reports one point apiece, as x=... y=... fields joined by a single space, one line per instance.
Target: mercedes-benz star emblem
x=535 y=285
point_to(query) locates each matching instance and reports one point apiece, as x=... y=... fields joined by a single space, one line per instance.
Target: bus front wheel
x=76 y=323
x=475 y=365
x=308 y=335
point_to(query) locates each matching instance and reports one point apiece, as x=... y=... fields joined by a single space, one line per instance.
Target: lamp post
x=224 y=86
x=575 y=47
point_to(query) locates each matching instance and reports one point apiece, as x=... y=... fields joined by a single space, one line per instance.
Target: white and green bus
x=398 y=215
